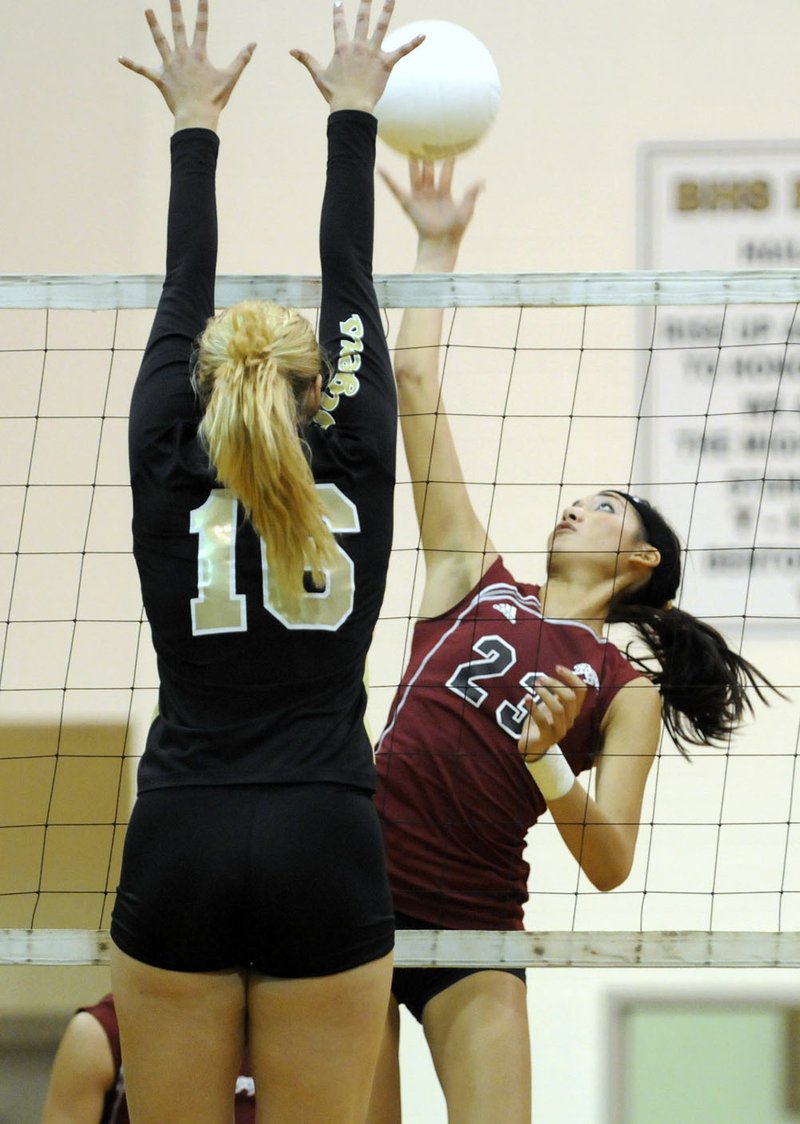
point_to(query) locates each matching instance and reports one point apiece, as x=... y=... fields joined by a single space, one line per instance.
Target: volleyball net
x=683 y=387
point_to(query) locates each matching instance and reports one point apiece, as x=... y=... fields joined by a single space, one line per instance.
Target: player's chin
x=562 y=542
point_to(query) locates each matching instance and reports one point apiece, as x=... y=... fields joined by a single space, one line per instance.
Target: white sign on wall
x=721 y=446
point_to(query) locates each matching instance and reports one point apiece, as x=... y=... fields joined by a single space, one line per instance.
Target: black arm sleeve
x=187 y=299
x=360 y=400
x=163 y=391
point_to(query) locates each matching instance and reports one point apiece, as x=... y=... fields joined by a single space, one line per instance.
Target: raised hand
x=549 y=719
x=437 y=216
x=357 y=74
x=195 y=91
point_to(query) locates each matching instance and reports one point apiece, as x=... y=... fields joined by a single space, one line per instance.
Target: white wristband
x=552 y=774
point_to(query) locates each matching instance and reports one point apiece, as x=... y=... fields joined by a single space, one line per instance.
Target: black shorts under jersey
x=287 y=880
x=415 y=987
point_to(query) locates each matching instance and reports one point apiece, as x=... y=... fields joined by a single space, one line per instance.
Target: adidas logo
x=508 y=611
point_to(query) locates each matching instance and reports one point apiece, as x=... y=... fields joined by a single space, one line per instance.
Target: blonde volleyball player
x=253 y=901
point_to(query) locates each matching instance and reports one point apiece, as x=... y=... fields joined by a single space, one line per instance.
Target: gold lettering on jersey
x=344 y=383
x=326 y=608
x=217 y=607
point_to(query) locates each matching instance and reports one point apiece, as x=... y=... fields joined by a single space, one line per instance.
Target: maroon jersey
x=115 y=1107
x=454 y=795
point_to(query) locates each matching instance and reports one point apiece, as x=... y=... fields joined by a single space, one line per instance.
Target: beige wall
x=83 y=190
x=84 y=142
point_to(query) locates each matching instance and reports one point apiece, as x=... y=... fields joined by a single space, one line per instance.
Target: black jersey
x=247 y=694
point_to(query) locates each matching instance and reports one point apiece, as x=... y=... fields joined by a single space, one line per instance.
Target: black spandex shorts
x=414 y=987
x=288 y=880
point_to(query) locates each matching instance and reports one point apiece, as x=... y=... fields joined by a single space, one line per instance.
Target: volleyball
x=443 y=97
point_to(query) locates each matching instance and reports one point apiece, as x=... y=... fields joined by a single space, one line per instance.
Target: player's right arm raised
x=457 y=549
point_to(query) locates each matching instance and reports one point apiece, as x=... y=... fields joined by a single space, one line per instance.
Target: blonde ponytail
x=257 y=364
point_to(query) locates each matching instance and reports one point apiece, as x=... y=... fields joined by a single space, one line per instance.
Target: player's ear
x=647 y=557
x=313 y=398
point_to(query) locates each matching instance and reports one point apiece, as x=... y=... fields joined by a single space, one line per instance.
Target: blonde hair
x=257 y=363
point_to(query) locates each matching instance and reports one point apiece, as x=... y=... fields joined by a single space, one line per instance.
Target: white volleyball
x=442 y=98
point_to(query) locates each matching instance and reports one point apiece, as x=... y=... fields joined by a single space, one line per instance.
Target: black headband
x=666 y=576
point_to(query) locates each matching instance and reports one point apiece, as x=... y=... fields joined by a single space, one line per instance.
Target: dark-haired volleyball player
x=510 y=693
x=253 y=898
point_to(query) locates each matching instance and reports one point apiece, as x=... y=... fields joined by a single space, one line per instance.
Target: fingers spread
x=201 y=26
x=305 y=58
x=314 y=69
x=446 y=176
x=394 y=187
x=339 y=23
x=159 y=38
x=362 y=20
x=129 y=64
x=382 y=26
x=470 y=199
x=415 y=172
x=178 y=26
x=241 y=60
x=406 y=49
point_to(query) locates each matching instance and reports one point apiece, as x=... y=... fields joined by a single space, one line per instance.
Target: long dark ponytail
x=705 y=686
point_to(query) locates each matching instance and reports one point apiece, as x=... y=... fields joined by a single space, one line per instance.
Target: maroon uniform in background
x=454 y=795
x=115 y=1108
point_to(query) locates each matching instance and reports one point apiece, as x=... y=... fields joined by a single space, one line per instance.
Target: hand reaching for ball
x=430 y=205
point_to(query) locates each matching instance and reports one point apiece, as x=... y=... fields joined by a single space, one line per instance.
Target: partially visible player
x=510 y=693
x=87 y=1082
x=253 y=898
